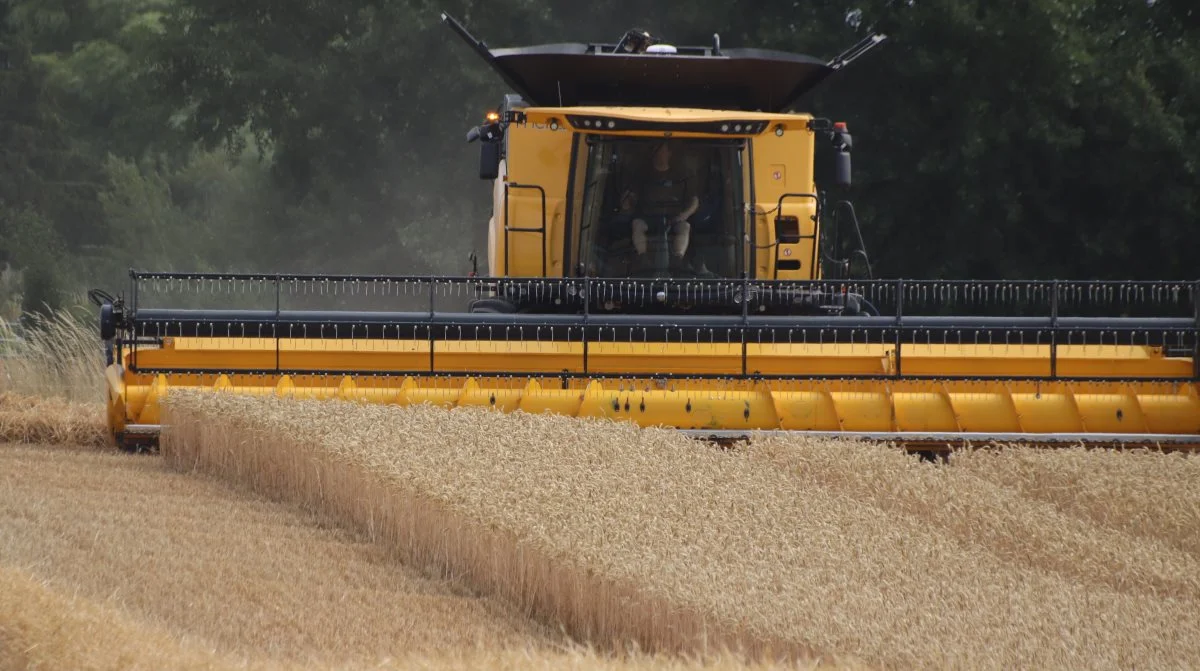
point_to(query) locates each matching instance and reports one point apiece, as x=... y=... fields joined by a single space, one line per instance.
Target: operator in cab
x=661 y=198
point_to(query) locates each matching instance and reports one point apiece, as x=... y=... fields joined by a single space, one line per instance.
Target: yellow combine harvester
x=663 y=251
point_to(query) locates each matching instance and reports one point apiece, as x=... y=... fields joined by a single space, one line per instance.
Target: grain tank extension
x=667 y=247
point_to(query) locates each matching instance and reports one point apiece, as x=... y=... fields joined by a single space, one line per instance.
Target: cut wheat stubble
x=227 y=569
x=629 y=535
x=46 y=628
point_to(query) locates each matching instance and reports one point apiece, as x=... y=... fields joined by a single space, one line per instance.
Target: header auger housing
x=662 y=251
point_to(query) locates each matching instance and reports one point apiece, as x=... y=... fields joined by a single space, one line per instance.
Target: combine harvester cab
x=661 y=252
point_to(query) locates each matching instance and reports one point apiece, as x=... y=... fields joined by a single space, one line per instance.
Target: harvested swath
x=45 y=628
x=83 y=524
x=238 y=573
x=1016 y=524
x=1146 y=494
x=622 y=534
x=52 y=421
x=42 y=628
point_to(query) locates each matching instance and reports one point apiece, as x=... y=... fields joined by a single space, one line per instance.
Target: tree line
x=1032 y=138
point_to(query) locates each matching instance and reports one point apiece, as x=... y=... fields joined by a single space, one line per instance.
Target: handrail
x=517 y=229
x=813 y=237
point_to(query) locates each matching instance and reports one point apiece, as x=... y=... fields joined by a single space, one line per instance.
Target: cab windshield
x=659 y=208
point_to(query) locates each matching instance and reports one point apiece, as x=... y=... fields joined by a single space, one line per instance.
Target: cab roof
x=583 y=74
x=579 y=75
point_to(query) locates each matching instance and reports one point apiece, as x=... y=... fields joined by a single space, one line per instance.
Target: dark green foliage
x=1029 y=139
x=1016 y=139
x=36 y=197
x=42 y=295
x=364 y=107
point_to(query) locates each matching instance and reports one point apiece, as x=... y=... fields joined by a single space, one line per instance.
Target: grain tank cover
x=571 y=74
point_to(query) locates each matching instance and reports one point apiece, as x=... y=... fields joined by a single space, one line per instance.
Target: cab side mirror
x=842 y=144
x=490 y=135
x=489 y=160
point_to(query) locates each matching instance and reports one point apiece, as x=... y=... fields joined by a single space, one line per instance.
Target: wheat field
x=244 y=575
x=288 y=534
x=45 y=628
x=52 y=384
x=115 y=561
x=847 y=553
x=60 y=358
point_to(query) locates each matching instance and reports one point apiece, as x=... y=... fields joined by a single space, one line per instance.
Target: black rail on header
x=1161 y=332
x=899 y=297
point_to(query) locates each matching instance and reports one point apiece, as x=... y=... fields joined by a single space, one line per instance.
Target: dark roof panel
x=738 y=79
x=574 y=74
